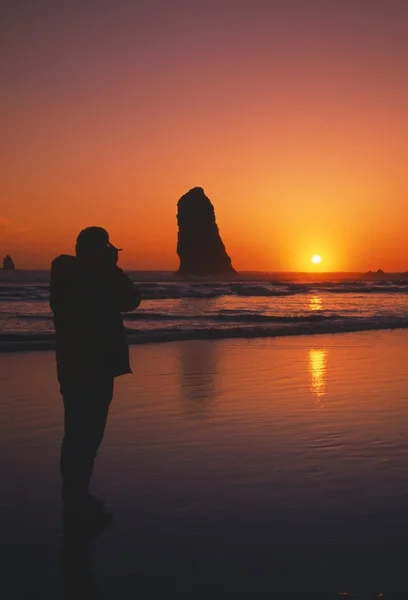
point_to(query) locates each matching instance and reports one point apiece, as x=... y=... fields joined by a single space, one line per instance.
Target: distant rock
x=8 y=264
x=381 y=275
x=378 y=275
x=200 y=247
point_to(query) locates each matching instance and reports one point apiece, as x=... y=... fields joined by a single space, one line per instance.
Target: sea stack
x=378 y=275
x=8 y=264
x=200 y=247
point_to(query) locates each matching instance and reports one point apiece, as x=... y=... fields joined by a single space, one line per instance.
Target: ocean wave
x=19 y=292
x=23 y=293
x=27 y=316
x=14 y=342
x=232 y=317
x=240 y=289
x=224 y=316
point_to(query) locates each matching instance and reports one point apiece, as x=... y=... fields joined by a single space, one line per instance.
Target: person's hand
x=112 y=255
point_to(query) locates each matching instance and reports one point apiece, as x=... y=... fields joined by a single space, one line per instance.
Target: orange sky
x=292 y=117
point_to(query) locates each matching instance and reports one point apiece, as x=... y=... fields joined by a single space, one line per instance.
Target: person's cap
x=95 y=238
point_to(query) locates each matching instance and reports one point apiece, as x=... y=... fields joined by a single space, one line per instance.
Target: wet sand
x=267 y=468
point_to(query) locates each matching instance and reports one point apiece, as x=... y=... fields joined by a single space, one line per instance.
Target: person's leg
x=103 y=398
x=86 y=409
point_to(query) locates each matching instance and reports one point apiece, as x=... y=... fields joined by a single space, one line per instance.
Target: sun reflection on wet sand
x=318 y=372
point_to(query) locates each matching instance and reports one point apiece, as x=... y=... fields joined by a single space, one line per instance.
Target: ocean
x=252 y=305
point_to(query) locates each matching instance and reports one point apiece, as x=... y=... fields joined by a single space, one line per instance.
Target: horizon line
x=241 y=272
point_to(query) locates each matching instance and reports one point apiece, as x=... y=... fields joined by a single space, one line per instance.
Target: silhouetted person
x=88 y=292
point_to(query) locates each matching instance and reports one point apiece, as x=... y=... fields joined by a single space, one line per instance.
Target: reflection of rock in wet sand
x=199 y=374
x=318 y=372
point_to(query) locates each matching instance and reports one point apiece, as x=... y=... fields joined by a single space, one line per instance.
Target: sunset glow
x=316 y=259
x=290 y=115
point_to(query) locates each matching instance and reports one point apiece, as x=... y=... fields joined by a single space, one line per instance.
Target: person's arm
x=126 y=293
x=54 y=292
x=60 y=268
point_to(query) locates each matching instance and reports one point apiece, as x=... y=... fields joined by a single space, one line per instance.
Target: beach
x=218 y=189
x=254 y=467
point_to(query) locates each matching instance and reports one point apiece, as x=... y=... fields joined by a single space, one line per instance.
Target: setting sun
x=316 y=259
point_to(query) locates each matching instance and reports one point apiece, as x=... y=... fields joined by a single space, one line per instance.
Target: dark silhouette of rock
x=8 y=264
x=200 y=247
x=378 y=275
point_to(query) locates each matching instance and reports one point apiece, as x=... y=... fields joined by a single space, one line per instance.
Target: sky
x=292 y=115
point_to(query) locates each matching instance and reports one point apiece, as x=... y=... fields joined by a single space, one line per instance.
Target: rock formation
x=378 y=275
x=8 y=264
x=199 y=247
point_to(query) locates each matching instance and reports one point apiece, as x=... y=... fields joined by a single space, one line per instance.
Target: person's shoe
x=90 y=510
x=96 y=505
x=78 y=531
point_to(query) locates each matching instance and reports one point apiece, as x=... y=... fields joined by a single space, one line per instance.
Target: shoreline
x=164 y=337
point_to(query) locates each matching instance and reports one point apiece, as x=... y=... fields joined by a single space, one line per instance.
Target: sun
x=316 y=259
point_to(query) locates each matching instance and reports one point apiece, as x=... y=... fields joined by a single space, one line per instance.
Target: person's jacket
x=87 y=302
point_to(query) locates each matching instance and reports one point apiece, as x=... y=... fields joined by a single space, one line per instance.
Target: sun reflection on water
x=315 y=303
x=317 y=371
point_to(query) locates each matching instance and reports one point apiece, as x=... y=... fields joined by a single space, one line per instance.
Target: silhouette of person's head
x=93 y=241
